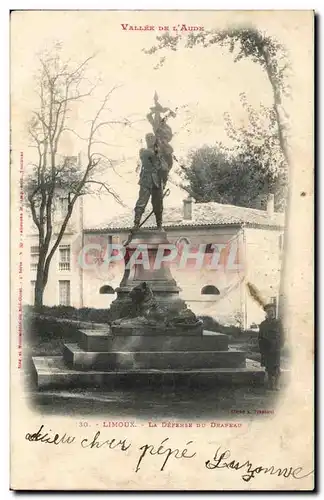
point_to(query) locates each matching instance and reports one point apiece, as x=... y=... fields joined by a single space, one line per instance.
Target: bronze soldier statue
x=156 y=160
x=152 y=177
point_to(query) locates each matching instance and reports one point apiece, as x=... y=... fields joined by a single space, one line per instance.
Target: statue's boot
x=158 y=219
x=137 y=221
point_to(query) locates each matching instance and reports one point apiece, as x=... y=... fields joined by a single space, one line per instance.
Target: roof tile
x=203 y=214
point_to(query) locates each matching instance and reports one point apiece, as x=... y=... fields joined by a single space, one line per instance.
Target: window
x=209 y=248
x=34 y=256
x=64 y=293
x=210 y=290
x=107 y=289
x=71 y=160
x=183 y=241
x=32 y=291
x=65 y=257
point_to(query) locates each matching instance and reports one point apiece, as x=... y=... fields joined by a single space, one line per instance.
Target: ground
x=211 y=404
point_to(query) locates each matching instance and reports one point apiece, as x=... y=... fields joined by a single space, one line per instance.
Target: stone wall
x=263 y=268
x=259 y=247
x=227 y=306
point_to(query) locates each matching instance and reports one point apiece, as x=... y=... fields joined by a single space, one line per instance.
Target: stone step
x=77 y=358
x=51 y=371
x=101 y=341
x=95 y=340
x=181 y=329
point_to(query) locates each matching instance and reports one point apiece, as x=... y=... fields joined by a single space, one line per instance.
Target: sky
x=202 y=83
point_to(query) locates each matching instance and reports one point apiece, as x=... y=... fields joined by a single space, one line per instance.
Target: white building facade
x=250 y=243
x=64 y=280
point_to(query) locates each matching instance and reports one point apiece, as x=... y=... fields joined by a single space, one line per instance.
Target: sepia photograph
x=162 y=212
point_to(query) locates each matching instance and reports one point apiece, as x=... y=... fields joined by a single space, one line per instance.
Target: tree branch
x=33 y=211
x=109 y=190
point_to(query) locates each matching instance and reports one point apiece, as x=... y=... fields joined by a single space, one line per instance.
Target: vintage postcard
x=162 y=332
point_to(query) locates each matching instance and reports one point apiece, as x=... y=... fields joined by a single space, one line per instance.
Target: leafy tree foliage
x=251 y=44
x=247 y=172
x=264 y=50
x=268 y=146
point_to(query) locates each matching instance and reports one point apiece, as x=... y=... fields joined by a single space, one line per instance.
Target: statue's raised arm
x=156 y=160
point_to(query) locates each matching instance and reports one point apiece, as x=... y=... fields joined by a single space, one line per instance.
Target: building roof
x=203 y=214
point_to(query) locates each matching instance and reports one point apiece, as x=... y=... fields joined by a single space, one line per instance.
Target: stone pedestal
x=156 y=274
x=101 y=359
x=130 y=350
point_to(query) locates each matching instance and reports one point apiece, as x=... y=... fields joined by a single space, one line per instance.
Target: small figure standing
x=270 y=343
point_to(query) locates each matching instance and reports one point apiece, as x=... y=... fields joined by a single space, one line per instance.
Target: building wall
x=263 y=265
x=228 y=306
x=258 y=252
x=71 y=238
x=98 y=274
x=51 y=294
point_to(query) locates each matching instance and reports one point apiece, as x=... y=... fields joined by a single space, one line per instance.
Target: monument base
x=103 y=359
x=170 y=310
x=51 y=372
x=153 y=337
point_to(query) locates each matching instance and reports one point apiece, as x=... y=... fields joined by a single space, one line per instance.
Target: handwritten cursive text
x=44 y=437
x=165 y=451
x=221 y=461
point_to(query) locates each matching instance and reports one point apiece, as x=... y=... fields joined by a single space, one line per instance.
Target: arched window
x=209 y=290
x=107 y=289
x=182 y=241
x=182 y=244
x=209 y=248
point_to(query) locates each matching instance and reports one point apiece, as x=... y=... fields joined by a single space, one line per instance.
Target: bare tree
x=61 y=86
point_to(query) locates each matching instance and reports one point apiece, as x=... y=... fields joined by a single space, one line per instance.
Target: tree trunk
x=40 y=283
x=39 y=293
x=284 y=149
